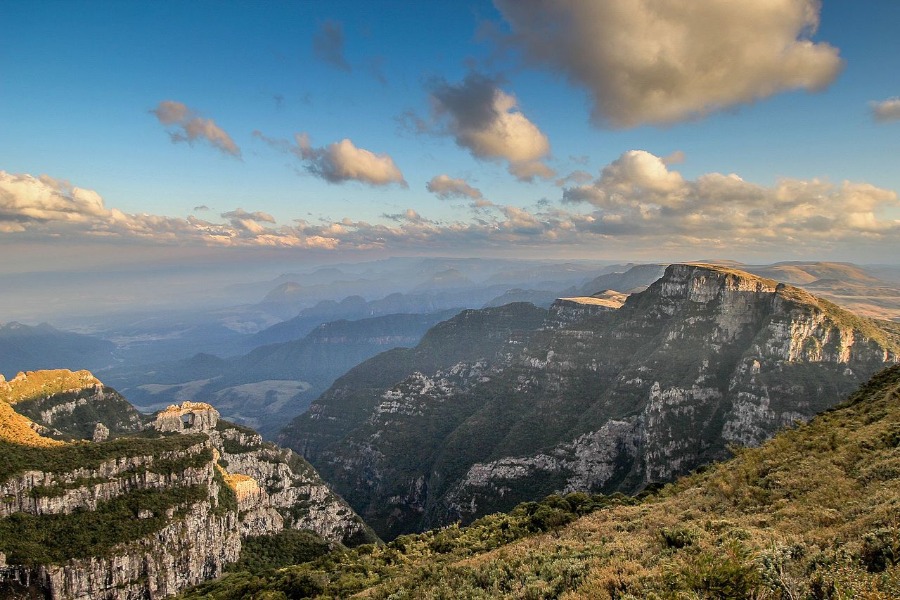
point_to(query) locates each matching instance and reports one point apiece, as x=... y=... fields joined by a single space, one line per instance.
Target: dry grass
x=40 y=384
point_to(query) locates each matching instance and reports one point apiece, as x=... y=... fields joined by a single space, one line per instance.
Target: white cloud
x=189 y=127
x=486 y=121
x=886 y=110
x=638 y=195
x=51 y=207
x=664 y=61
x=445 y=188
x=636 y=205
x=341 y=161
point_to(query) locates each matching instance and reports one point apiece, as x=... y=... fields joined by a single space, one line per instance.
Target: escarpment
x=585 y=397
x=149 y=511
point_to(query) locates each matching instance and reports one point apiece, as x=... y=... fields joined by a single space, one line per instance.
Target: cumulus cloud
x=638 y=195
x=486 y=121
x=637 y=204
x=53 y=207
x=886 y=110
x=445 y=188
x=340 y=161
x=328 y=45
x=664 y=61
x=189 y=127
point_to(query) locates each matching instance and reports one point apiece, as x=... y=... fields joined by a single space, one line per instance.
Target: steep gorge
x=503 y=405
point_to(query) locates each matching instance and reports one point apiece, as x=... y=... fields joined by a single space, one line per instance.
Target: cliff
x=71 y=404
x=145 y=514
x=613 y=400
x=811 y=513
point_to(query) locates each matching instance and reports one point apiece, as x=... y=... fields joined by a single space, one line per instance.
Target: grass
x=813 y=513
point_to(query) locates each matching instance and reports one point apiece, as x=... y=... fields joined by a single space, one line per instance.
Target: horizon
x=229 y=143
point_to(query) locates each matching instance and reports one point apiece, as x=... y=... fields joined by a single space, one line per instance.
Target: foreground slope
x=149 y=511
x=810 y=514
x=505 y=405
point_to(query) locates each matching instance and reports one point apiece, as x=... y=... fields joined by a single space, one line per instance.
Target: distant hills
x=507 y=404
x=272 y=384
x=25 y=348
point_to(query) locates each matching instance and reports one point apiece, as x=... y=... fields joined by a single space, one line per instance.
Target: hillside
x=150 y=510
x=27 y=348
x=851 y=286
x=272 y=384
x=810 y=514
x=584 y=397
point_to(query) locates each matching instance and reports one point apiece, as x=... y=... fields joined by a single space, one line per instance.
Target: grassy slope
x=814 y=513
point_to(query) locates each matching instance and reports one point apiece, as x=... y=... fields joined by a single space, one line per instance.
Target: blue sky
x=172 y=127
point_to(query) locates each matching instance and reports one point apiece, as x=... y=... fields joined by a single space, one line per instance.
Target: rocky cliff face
x=71 y=404
x=596 y=401
x=145 y=516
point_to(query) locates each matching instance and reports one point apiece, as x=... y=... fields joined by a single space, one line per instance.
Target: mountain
x=269 y=386
x=636 y=276
x=542 y=298
x=141 y=511
x=867 y=292
x=500 y=406
x=27 y=348
x=812 y=513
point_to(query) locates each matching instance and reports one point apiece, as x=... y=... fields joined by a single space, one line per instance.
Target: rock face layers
x=592 y=400
x=147 y=516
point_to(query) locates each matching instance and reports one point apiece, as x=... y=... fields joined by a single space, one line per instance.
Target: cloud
x=201 y=207
x=664 y=61
x=638 y=195
x=445 y=188
x=486 y=121
x=328 y=45
x=190 y=127
x=44 y=206
x=636 y=205
x=886 y=110
x=340 y=161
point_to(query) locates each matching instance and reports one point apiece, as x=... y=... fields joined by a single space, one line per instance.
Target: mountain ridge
x=706 y=357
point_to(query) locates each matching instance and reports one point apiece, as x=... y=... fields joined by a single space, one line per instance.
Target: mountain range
x=507 y=404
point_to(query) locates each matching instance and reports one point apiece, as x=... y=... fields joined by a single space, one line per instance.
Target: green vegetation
x=46 y=539
x=345 y=572
x=814 y=513
x=16 y=458
x=227 y=499
x=287 y=547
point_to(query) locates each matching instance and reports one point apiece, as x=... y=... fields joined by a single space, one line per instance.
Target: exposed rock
x=190 y=416
x=199 y=492
x=101 y=433
x=598 y=401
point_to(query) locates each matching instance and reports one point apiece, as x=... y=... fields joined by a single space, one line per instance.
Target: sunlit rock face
x=588 y=397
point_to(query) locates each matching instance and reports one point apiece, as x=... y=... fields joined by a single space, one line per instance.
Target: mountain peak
x=34 y=384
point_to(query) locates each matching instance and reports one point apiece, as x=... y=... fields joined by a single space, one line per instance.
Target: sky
x=241 y=132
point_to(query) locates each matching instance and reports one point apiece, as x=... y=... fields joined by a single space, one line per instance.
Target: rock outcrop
x=145 y=516
x=602 y=400
x=70 y=403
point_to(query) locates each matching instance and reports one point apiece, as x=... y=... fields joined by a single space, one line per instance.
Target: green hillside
x=813 y=513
